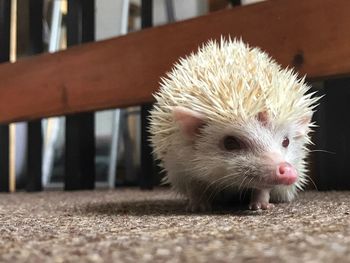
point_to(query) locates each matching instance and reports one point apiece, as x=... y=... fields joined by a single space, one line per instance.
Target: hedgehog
x=229 y=118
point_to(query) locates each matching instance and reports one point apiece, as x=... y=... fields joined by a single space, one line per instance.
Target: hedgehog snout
x=286 y=174
x=281 y=171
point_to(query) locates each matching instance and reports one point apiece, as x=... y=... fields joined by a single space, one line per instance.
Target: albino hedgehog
x=229 y=118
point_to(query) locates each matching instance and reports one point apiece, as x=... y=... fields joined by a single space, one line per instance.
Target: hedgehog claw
x=260 y=200
x=260 y=206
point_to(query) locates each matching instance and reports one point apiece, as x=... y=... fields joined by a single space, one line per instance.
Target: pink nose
x=286 y=174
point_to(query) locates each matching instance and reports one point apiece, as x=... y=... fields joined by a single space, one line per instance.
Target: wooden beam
x=310 y=35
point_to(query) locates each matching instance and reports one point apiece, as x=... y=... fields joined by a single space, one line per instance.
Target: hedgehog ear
x=303 y=126
x=189 y=121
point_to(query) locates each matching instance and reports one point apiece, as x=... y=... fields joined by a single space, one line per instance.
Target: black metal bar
x=333 y=136
x=34 y=156
x=147 y=164
x=88 y=21
x=35 y=139
x=80 y=128
x=235 y=2
x=5 y=23
x=80 y=155
x=36 y=26
x=4 y=158
x=146 y=13
x=74 y=23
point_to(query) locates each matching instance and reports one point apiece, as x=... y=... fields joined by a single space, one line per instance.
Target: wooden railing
x=311 y=36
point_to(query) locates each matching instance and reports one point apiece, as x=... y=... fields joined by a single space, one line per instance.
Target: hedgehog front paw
x=260 y=205
x=195 y=207
x=260 y=200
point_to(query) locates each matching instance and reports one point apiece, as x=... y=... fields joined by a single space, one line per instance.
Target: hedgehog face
x=255 y=153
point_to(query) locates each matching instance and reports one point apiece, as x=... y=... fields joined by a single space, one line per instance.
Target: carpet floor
x=130 y=225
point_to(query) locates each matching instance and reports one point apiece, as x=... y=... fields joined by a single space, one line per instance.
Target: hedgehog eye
x=231 y=143
x=285 y=142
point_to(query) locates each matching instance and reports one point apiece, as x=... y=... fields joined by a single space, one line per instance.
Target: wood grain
x=310 y=35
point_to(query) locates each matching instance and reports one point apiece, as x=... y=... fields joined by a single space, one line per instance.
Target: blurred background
x=105 y=149
x=117 y=133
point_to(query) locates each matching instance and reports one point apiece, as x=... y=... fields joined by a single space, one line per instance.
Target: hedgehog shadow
x=160 y=208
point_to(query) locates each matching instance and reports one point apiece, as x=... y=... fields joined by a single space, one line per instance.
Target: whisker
x=229 y=181
x=218 y=183
x=246 y=188
x=312 y=181
x=242 y=183
x=323 y=151
x=223 y=182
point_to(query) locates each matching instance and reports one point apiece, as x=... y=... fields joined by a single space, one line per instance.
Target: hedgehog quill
x=229 y=118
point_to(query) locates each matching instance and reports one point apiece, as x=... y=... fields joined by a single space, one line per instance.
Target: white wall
x=107 y=15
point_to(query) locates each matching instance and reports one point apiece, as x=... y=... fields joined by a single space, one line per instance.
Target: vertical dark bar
x=146 y=13
x=36 y=26
x=146 y=175
x=80 y=128
x=80 y=162
x=235 y=2
x=88 y=21
x=333 y=136
x=320 y=141
x=35 y=140
x=5 y=21
x=34 y=156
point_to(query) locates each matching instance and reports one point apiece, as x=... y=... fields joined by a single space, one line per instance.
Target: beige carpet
x=136 y=226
